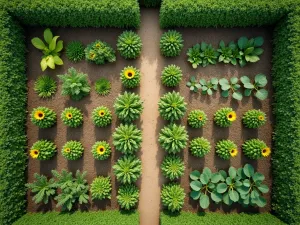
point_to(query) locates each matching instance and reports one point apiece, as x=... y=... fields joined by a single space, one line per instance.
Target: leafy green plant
x=43 y=188
x=171 y=75
x=72 y=117
x=256 y=149
x=254 y=118
x=171 y=43
x=101 y=188
x=51 y=50
x=172 y=167
x=43 y=117
x=101 y=116
x=226 y=149
x=172 y=197
x=128 y=196
x=128 y=106
x=127 y=138
x=173 y=138
x=208 y=87
x=75 y=51
x=43 y=150
x=72 y=150
x=99 y=52
x=224 y=117
x=172 y=106
x=194 y=55
x=231 y=86
x=129 y=45
x=197 y=118
x=128 y=169
x=102 y=86
x=193 y=84
x=45 y=86
x=101 y=150
x=260 y=81
x=228 y=54
x=75 y=84
x=130 y=77
x=199 y=147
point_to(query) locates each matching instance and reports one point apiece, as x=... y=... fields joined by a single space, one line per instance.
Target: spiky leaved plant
x=75 y=51
x=102 y=86
x=43 y=150
x=172 y=197
x=226 y=149
x=43 y=117
x=101 y=116
x=130 y=77
x=171 y=76
x=99 y=52
x=101 y=150
x=45 y=86
x=256 y=149
x=128 y=196
x=129 y=45
x=199 y=147
x=171 y=43
x=72 y=150
x=101 y=188
x=197 y=118
x=224 y=117
x=254 y=118
x=72 y=117
x=172 y=167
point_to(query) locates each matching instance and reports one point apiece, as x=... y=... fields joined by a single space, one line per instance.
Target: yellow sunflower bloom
x=233 y=152
x=261 y=118
x=200 y=118
x=98 y=45
x=100 y=150
x=69 y=115
x=39 y=115
x=231 y=116
x=101 y=113
x=67 y=150
x=266 y=152
x=129 y=73
x=34 y=153
x=92 y=55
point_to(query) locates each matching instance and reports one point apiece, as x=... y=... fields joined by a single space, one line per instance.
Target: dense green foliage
x=171 y=75
x=72 y=117
x=129 y=45
x=72 y=150
x=172 y=197
x=128 y=196
x=224 y=117
x=43 y=150
x=172 y=167
x=100 y=52
x=130 y=77
x=101 y=188
x=103 y=86
x=229 y=53
x=128 y=169
x=254 y=118
x=199 y=147
x=256 y=149
x=75 y=51
x=256 y=87
x=43 y=117
x=45 y=86
x=197 y=118
x=101 y=116
x=231 y=86
x=101 y=150
x=171 y=43
x=226 y=149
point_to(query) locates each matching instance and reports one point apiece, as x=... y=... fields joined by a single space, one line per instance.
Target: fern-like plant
x=197 y=118
x=100 y=52
x=72 y=150
x=101 y=150
x=43 y=117
x=199 y=147
x=43 y=150
x=72 y=117
x=172 y=197
x=130 y=77
x=101 y=188
x=171 y=43
x=75 y=51
x=102 y=86
x=172 y=167
x=171 y=76
x=129 y=45
x=101 y=116
x=45 y=86
x=128 y=196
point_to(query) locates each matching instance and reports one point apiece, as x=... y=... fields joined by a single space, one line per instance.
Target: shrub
x=199 y=147
x=128 y=107
x=128 y=169
x=129 y=45
x=130 y=77
x=43 y=150
x=173 y=138
x=43 y=117
x=256 y=149
x=128 y=196
x=75 y=51
x=171 y=75
x=99 y=52
x=102 y=86
x=72 y=117
x=226 y=149
x=75 y=84
x=101 y=188
x=45 y=86
x=197 y=118
x=172 y=167
x=228 y=54
x=171 y=43
x=171 y=106
x=172 y=197
x=72 y=150
x=254 y=118
x=101 y=150
x=101 y=116
x=224 y=117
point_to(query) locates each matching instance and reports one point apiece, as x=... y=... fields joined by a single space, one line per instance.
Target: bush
x=128 y=107
x=128 y=196
x=224 y=117
x=171 y=76
x=129 y=45
x=75 y=51
x=256 y=149
x=173 y=138
x=101 y=150
x=72 y=117
x=171 y=43
x=199 y=147
x=197 y=118
x=226 y=149
x=171 y=106
x=128 y=169
x=99 y=52
x=101 y=116
x=254 y=118
x=172 y=197
x=43 y=150
x=101 y=188
x=45 y=86
x=75 y=84
x=43 y=117
x=172 y=167
x=72 y=150
x=130 y=77
x=102 y=86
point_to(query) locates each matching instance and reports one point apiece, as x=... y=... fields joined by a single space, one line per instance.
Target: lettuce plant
x=172 y=197
x=228 y=54
x=194 y=56
x=231 y=86
x=260 y=81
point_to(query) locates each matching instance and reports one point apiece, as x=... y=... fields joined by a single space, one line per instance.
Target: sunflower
x=129 y=74
x=92 y=55
x=69 y=115
x=39 y=115
x=67 y=150
x=266 y=152
x=233 y=152
x=101 y=113
x=200 y=118
x=98 y=45
x=231 y=116
x=261 y=118
x=100 y=149
x=34 y=153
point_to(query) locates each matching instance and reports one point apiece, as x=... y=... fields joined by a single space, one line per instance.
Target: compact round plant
x=254 y=118
x=199 y=147
x=45 y=86
x=224 y=117
x=197 y=118
x=128 y=169
x=72 y=150
x=101 y=150
x=72 y=117
x=172 y=167
x=101 y=188
x=171 y=106
x=172 y=197
x=130 y=77
x=226 y=149
x=102 y=86
x=171 y=43
x=173 y=138
x=171 y=76
x=101 y=116
x=256 y=149
x=127 y=138
x=75 y=51
x=129 y=45
x=43 y=150
x=43 y=117
x=100 y=52
x=128 y=196
x=128 y=107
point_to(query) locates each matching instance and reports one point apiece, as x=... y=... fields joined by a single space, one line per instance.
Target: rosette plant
x=101 y=150
x=75 y=51
x=130 y=77
x=128 y=196
x=224 y=117
x=72 y=117
x=226 y=149
x=231 y=86
x=254 y=118
x=199 y=147
x=101 y=188
x=43 y=117
x=256 y=87
x=197 y=118
x=256 y=149
x=208 y=87
x=129 y=45
x=228 y=54
x=72 y=150
x=171 y=43
x=43 y=150
x=102 y=86
x=101 y=116
x=172 y=197
x=45 y=86
x=172 y=167
x=171 y=76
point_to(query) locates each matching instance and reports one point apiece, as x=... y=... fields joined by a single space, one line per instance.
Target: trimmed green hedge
x=13 y=101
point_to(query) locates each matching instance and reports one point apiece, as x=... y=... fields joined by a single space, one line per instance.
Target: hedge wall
x=12 y=120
